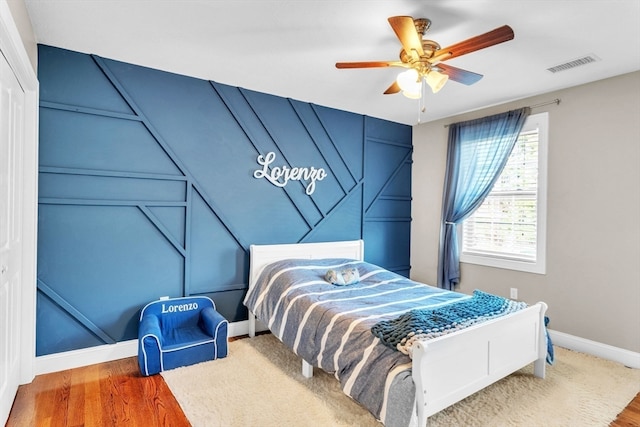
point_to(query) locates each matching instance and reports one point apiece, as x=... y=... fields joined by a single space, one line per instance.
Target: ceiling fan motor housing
x=422 y=25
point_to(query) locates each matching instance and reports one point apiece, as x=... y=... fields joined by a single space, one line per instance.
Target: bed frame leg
x=252 y=325
x=419 y=356
x=539 y=366
x=307 y=369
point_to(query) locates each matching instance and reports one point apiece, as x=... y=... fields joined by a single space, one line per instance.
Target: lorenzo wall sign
x=281 y=175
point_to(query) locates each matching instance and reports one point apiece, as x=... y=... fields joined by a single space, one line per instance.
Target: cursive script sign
x=281 y=175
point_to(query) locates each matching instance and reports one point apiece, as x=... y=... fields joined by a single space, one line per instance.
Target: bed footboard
x=449 y=368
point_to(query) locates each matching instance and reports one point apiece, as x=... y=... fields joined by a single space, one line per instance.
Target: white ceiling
x=289 y=47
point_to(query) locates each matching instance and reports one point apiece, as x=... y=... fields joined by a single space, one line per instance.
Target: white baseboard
x=105 y=353
x=86 y=356
x=237 y=329
x=604 y=351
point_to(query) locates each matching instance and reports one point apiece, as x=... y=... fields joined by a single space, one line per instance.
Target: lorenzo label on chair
x=175 y=308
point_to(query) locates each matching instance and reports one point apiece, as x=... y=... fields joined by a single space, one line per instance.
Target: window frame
x=541 y=121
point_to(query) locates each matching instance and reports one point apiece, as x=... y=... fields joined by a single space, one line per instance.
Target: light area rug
x=260 y=384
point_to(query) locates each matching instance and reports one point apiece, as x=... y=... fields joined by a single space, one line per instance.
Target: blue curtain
x=478 y=151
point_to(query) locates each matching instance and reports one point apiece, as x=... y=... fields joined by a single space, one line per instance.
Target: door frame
x=13 y=49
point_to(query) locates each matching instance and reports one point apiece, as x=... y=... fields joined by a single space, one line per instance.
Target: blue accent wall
x=147 y=189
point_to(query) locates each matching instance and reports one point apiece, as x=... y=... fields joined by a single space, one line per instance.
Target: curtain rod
x=542 y=104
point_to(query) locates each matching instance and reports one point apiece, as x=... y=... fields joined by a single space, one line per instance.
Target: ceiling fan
x=423 y=58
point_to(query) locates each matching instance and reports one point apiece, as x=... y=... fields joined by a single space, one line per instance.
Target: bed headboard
x=261 y=255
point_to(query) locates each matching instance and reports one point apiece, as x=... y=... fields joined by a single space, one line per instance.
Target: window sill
x=508 y=264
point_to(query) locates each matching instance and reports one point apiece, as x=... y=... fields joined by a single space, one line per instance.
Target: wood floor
x=115 y=394
x=107 y=394
x=630 y=417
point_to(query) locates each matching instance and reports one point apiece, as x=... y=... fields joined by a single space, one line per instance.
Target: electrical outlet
x=513 y=293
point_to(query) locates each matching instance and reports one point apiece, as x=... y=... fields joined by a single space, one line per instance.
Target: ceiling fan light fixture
x=409 y=81
x=436 y=80
x=412 y=95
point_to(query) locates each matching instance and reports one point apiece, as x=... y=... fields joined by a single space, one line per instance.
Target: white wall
x=592 y=284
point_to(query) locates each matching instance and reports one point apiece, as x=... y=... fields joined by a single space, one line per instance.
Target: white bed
x=445 y=369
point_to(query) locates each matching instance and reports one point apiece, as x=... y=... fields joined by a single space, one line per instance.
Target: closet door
x=11 y=190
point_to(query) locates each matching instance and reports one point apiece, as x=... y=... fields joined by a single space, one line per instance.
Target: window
x=509 y=229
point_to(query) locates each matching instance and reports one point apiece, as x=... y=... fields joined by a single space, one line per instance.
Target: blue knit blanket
x=400 y=333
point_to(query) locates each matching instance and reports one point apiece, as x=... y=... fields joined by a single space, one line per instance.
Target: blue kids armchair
x=178 y=332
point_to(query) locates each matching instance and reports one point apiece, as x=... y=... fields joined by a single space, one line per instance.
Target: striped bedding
x=330 y=326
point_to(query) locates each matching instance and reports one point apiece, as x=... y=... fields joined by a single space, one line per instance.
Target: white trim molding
x=12 y=47
x=615 y=354
x=86 y=356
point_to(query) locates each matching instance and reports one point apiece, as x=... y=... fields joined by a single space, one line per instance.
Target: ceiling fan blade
x=458 y=74
x=369 y=64
x=394 y=88
x=493 y=37
x=405 y=29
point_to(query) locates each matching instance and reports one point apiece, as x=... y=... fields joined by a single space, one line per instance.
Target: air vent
x=575 y=63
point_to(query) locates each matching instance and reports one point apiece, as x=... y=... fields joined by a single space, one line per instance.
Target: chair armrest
x=150 y=325
x=211 y=322
x=149 y=345
x=216 y=326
